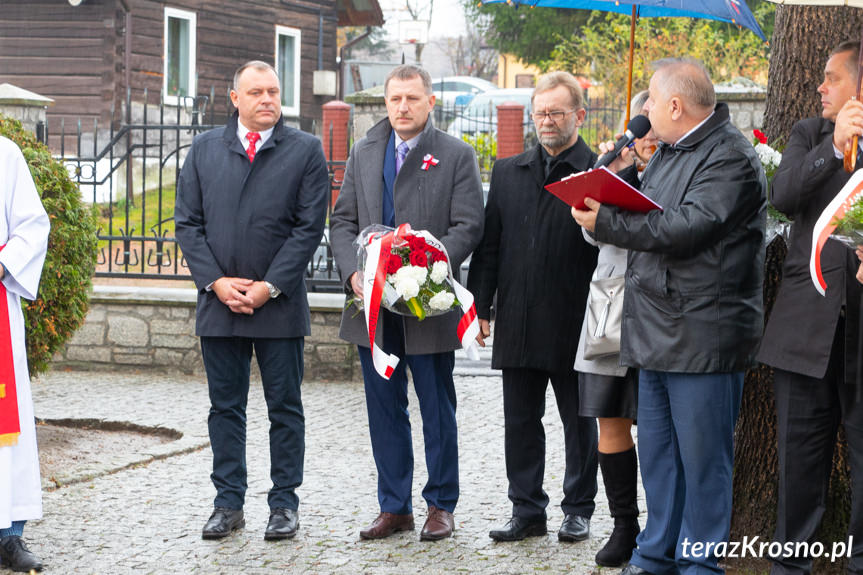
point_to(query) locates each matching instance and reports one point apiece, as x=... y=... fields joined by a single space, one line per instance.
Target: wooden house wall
x=65 y=53
x=75 y=55
x=229 y=33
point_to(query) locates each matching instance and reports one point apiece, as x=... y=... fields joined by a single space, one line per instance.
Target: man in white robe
x=24 y=228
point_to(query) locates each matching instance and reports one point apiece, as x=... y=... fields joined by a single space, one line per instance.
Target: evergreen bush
x=63 y=298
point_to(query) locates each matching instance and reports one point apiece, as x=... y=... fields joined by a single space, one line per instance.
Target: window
x=179 y=59
x=288 y=67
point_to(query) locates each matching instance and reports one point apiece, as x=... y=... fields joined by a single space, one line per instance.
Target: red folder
x=603 y=186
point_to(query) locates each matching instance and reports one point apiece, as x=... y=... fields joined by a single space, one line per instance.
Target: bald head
x=688 y=79
x=681 y=97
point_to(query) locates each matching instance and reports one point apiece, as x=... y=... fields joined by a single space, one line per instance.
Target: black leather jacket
x=693 y=300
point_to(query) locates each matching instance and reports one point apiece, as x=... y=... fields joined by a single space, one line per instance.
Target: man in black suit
x=536 y=259
x=251 y=205
x=811 y=340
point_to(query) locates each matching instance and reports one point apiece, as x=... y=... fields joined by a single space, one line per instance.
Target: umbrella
x=732 y=11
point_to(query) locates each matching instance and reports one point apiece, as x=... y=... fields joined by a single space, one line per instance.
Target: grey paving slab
x=146 y=516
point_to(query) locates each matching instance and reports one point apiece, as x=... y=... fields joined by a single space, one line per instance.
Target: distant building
x=512 y=73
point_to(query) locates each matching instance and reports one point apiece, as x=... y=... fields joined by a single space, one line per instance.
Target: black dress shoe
x=283 y=524
x=518 y=528
x=634 y=570
x=15 y=555
x=574 y=528
x=222 y=522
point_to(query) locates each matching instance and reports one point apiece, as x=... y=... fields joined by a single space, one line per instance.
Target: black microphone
x=637 y=128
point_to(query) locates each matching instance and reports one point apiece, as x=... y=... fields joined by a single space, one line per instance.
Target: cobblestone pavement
x=143 y=512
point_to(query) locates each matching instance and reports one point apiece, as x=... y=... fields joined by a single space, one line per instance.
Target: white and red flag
x=826 y=223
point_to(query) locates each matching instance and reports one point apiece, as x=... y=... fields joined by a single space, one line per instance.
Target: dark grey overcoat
x=445 y=200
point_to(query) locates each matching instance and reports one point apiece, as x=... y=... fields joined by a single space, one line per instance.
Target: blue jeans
x=17 y=528
x=686 y=450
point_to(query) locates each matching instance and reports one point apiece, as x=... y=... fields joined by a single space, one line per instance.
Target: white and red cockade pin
x=429 y=160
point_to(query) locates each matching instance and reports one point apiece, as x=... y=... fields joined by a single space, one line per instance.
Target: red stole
x=10 y=425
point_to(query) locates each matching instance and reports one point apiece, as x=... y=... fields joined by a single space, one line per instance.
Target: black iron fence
x=129 y=170
x=476 y=122
x=130 y=173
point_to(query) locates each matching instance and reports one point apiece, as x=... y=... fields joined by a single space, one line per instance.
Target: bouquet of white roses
x=408 y=272
x=418 y=279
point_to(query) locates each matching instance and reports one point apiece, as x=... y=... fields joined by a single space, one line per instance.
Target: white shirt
x=242 y=131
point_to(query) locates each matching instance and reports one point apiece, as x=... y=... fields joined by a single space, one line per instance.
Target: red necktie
x=253 y=138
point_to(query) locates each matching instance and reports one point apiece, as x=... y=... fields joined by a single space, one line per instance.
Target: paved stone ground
x=142 y=512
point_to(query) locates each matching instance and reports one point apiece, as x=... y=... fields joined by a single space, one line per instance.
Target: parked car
x=480 y=116
x=457 y=91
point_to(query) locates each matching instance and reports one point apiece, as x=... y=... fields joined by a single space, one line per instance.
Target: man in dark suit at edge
x=251 y=206
x=811 y=340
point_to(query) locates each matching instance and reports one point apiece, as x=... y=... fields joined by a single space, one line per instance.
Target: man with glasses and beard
x=539 y=265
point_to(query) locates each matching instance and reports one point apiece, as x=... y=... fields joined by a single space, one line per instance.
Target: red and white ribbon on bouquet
x=826 y=223
x=377 y=253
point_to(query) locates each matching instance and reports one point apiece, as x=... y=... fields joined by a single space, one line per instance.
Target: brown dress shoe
x=439 y=525
x=386 y=524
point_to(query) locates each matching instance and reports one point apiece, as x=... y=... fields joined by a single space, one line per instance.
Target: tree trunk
x=802 y=40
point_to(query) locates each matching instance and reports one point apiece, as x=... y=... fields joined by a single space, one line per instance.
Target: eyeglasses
x=555 y=115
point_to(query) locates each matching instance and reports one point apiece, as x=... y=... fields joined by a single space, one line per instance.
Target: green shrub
x=63 y=297
x=485 y=146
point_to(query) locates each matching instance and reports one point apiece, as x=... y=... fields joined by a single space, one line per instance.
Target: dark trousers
x=686 y=450
x=227 y=361
x=390 y=427
x=808 y=413
x=524 y=443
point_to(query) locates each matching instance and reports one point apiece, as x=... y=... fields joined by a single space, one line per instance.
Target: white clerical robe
x=24 y=228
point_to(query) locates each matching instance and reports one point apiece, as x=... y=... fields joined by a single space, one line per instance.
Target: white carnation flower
x=416 y=273
x=407 y=287
x=768 y=156
x=440 y=271
x=442 y=301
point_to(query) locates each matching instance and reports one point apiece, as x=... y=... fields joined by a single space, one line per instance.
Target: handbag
x=604 y=316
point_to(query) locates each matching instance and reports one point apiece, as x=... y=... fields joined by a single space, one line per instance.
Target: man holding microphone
x=692 y=314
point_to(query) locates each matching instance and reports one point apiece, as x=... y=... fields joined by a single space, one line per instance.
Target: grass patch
x=144 y=217
x=144 y=214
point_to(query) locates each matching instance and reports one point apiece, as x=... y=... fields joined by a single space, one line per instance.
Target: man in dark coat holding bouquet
x=406 y=171
x=812 y=340
x=536 y=260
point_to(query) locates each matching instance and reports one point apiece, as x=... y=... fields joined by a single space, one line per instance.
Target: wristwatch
x=274 y=291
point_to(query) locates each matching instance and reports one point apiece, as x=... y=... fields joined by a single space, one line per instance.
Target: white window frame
x=192 y=79
x=291 y=111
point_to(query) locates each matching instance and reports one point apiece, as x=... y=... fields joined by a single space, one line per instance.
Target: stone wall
x=369 y=109
x=746 y=101
x=154 y=328
x=25 y=106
